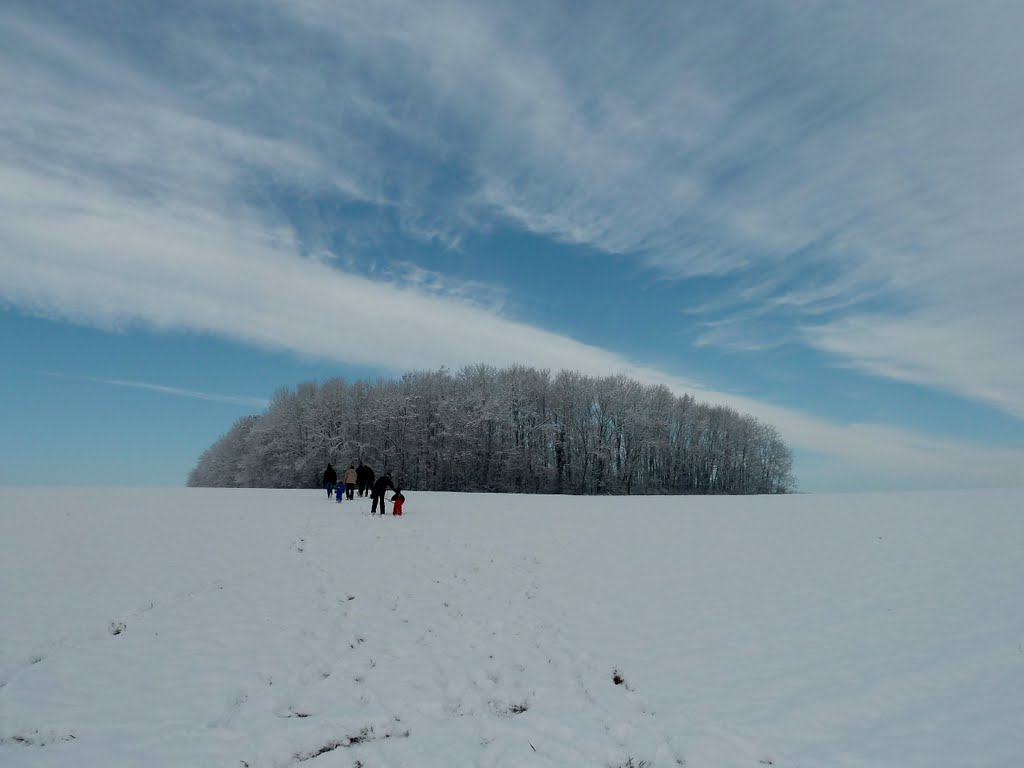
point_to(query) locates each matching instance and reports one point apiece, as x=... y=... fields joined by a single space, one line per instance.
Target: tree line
x=509 y=430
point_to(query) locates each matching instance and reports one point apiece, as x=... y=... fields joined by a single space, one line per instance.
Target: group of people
x=363 y=479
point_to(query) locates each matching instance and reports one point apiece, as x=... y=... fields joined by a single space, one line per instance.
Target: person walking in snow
x=350 y=481
x=361 y=479
x=370 y=475
x=330 y=479
x=380 y=488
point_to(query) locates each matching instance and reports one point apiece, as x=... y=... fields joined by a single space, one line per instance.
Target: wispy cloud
x=241 y=400
x=853 y=158
x=843 y=166
x=945 y=352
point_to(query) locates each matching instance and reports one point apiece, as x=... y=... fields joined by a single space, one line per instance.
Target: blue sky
x=807 y=211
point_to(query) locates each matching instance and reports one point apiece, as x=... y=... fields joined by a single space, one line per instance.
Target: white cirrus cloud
x=847 y=155
x=841 y=161
x=245 y=401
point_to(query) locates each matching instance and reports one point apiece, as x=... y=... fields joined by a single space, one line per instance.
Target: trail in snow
x=261 y=628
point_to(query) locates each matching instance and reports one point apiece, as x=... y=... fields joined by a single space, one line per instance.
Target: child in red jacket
x=399 y=500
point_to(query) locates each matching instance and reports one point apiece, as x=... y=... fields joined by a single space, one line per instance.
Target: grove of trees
x=510 y=430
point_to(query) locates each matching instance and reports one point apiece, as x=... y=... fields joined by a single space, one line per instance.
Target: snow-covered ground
x=193 y=627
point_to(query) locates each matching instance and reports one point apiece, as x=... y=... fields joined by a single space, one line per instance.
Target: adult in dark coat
x=370 y=474
x=361 y=483
x=330 y=479
x=380 y=489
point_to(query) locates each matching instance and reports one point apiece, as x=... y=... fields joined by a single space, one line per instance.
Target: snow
x=200 y=627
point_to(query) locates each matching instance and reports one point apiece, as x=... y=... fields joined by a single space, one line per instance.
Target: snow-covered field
x=193 y=627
